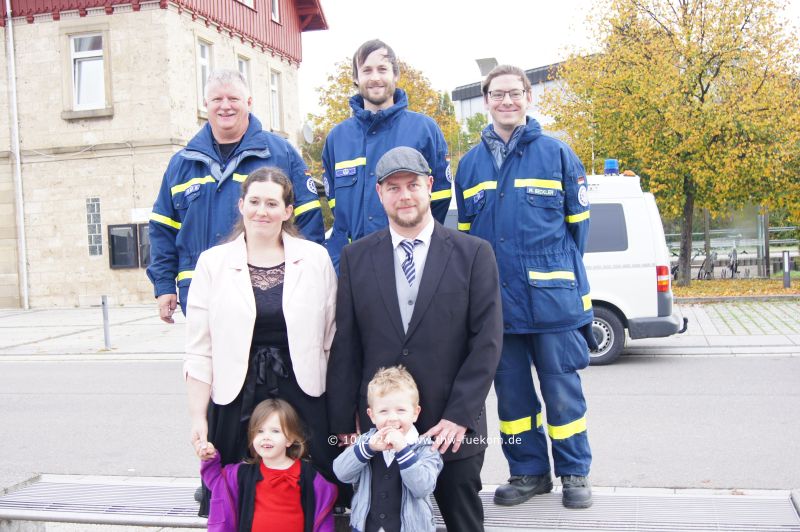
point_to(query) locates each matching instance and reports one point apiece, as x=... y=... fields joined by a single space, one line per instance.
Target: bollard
x=106 y=328
x=787 y=280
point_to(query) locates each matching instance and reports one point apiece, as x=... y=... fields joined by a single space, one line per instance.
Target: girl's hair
x=291 y=425
x=268 y=174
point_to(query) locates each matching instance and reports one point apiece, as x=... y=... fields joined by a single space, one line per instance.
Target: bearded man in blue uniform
x=525 y=192
x=381 y=121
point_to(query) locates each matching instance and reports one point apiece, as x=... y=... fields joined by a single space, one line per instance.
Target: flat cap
x=401 y=159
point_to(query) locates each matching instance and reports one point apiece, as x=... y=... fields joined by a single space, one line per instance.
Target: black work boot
x=520 y=488
x=576 y=492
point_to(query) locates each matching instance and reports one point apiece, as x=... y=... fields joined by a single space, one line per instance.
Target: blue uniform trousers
x=557 y=357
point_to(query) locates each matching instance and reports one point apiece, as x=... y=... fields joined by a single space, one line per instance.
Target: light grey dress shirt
x=407 y=295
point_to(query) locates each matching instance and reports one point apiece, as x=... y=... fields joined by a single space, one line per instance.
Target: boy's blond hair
x=393 y=379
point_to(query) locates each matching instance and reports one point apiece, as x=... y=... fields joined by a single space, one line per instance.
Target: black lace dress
x=269 y=375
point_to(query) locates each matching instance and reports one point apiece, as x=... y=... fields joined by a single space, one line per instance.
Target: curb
x=729 y=299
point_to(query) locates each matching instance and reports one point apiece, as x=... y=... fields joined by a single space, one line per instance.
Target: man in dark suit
x=427 y=297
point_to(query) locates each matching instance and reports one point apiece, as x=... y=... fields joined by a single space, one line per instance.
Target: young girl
x=274 y=489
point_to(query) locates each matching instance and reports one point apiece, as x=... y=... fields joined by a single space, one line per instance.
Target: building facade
x=106 y=93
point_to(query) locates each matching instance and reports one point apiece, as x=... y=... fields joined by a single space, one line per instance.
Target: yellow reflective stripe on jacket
x=551 y=275
x=541 y=183
x=464 y=226
x=486 y=185
x=305 y=207
x=575 y=218
x=196 y=180
x=239 y=177
x=164 y=220
x=565 y=431
x=361 y=161
x=332 y=203
x=188 y=274
x=587 y=301
x=519 y=425
x=441 y=194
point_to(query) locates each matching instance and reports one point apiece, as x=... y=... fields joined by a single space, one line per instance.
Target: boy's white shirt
x=411 y=438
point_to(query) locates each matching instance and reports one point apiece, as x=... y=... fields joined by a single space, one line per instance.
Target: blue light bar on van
x=611 y=167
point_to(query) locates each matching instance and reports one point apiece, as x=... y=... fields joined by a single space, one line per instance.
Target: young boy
x=392 y=470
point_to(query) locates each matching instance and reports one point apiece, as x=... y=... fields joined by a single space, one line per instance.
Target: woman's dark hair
x=268 y=174
x=291 y=425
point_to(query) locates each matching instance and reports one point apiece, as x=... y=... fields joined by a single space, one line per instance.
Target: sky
x=443 y=38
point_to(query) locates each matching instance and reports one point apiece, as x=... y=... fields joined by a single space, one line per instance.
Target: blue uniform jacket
x=534 y=211
x=352 y=150
x=197 y=205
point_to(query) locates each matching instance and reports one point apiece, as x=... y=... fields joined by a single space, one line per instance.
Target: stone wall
x=118 y=158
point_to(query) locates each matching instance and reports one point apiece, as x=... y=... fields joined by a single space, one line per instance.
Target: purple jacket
x=223 y=512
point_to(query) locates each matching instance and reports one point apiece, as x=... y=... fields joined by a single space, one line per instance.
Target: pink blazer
x=221 y=313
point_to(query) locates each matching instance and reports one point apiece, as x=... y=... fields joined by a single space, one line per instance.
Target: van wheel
x=609 y=335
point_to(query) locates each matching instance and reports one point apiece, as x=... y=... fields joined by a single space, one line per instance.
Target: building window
x=86 y=77
x=276 y=10
x=248 y=3
x=128 y=246
x=144 y=245
x=93 y=226
x=276 y=114
x=243 y=65
x=204 y=66
x=88 y=83
x=123 y=246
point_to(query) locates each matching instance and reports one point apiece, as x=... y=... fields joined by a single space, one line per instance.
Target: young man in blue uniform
x=381 y=121
x=526 y=194
x=196 y=207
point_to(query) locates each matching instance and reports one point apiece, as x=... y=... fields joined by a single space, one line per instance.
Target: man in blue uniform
x=381 y=121
x=196 y=205
x=526 y=194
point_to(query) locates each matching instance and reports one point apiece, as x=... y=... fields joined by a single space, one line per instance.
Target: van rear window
x=607 y=229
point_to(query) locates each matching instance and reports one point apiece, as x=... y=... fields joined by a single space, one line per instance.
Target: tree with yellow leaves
x=701 y=97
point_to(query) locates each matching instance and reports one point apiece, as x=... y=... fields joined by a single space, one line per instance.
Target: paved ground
x=757 y=343
x=742 y=327
x=737 y=328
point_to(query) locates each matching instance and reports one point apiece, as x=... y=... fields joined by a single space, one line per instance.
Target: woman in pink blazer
x=259 y=325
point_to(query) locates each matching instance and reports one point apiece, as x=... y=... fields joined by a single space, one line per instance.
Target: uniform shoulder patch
x=583 y=196
x=311 y=186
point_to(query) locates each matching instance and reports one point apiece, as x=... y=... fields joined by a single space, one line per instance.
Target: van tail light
x=663 y=278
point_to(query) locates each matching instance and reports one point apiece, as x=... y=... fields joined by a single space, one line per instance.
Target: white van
x=628 y=265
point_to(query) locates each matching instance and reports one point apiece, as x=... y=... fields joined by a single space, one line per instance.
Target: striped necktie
x=408 y=263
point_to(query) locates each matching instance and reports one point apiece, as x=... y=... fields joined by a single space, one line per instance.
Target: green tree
x=334 y=99
x=475 y=125
x=699 y=96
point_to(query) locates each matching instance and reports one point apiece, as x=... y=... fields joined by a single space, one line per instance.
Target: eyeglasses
x=499 y=96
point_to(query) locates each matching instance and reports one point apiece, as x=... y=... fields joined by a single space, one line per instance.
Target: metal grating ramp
x=167 y=502
x=646 y=510
x=106 y=500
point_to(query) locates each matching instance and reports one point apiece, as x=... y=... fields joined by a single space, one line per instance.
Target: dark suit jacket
x=453 y=342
